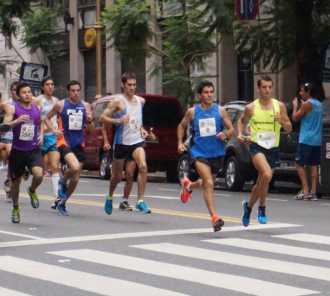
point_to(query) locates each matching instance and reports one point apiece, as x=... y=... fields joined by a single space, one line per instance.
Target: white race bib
x=266 y=139
x=76 y=121
x=207 y=127
x=27 y=132
x=133 y=124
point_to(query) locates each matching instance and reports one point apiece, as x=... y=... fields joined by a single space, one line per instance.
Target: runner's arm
x=9 y=116
x=284 y=119
x=228 y=124
x=181 y=129
x=243 y=121
x=89 y=114
x=106 y=117
x=106 y=143
x=54 y=112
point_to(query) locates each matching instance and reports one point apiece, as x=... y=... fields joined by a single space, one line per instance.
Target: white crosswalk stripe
x=272 y=248
x=77 y=279
x=196 y=275
x=8 y=292
x=307 y=238
x=315 y=272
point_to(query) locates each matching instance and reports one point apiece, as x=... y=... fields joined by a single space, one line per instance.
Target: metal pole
x=98 y=28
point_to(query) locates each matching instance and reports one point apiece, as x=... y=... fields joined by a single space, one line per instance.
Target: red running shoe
x=186 y=192
x=217 y=223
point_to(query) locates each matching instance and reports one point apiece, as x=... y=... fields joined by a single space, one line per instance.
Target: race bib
x=75 y=121
x=266 y=139
x=133 y=124
x=207 y=127
x=27 y=132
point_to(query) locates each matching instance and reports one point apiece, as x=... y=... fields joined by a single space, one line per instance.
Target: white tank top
x=46 y=106
x=131 y=132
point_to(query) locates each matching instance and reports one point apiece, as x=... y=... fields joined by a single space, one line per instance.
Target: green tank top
x=265 y=131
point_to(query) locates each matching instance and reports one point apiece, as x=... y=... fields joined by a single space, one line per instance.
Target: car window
x=161 y=114
x=98 y=110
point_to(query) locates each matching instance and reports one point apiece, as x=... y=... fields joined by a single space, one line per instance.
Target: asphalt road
x=172 y=251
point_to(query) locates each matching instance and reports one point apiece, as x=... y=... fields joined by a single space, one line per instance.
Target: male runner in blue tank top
x=310 y=139
x=207 y=148
x=74 y=116
x=24 y=117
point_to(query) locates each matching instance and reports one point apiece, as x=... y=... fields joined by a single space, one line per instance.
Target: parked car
x=163 y=114
x=238 y=168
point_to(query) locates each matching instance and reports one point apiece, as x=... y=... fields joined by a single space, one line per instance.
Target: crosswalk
x=293 y=270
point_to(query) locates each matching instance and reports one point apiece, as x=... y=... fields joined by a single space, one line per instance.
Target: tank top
x=74 y=118
x=130 y=134
x=265 y=131
x=206 y=124
x=25 y=135
x=46 y=106
x=311 y=125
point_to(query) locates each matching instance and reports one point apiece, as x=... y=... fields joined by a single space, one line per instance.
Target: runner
x=46 y=101
x=310 y=139
x=125 y=113
x=265 y=117
x=74 y=115
x=7 y=138
x=208 y=123
x=24 y=117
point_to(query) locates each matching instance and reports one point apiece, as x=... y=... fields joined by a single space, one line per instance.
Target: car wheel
x=105 y=166
x=233 y=178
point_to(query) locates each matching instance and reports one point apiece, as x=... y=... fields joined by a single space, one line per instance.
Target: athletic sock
x=55 y=179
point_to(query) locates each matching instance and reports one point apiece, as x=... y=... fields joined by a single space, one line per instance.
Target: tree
x=9 y=10
x=290 y=31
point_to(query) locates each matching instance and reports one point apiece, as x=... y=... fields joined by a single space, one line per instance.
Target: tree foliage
x=9 y=10
x=40 y=30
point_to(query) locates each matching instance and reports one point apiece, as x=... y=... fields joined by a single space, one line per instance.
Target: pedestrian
x=310 y=137
x=265 y=117
x=124 y=112
x=74 y=116
x=24 y=118
x=51 y=156
x=210 y=127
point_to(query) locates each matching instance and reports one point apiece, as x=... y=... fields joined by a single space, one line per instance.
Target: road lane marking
x=84 y=281
x=272 y=248
x=132 y=195
x=273 y=265
x=8 y=292
x=19 y=235
x=191 y=274
x=307 y=238
x=100 y=237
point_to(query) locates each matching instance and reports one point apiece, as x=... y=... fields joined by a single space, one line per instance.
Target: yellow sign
x=90 y=38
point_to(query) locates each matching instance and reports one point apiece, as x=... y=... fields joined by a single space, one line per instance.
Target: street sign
x=247 y=9
x=33 y=74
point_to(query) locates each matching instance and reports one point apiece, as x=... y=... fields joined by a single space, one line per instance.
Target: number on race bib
x=27 y=132
x=207 y=127
x=266 y=139
x=75 y=121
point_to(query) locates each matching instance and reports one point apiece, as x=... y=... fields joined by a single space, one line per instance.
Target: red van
x=163 y=114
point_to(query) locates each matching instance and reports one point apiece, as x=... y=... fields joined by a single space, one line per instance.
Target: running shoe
x=186 y=192
x=6 y=185
x=55 y=204
x=217 y=223
x=108 y=205
x=299 y=196
x=34 y=200
x=61 y=207
x=62 y=189
x=246 y=213
x=262 y=218
x=142 y=206
x=125 y=206
x=313 y=197
x=15 y=215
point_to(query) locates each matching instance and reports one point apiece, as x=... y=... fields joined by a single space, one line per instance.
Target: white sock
x=55 y=179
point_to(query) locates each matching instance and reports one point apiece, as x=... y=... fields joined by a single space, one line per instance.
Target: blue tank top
x=311 y=125
x=206 y=124
x=25 y=135
x=74 y=120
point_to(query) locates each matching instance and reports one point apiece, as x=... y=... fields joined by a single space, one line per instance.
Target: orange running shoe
x=186 y=192
x=217 y=223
